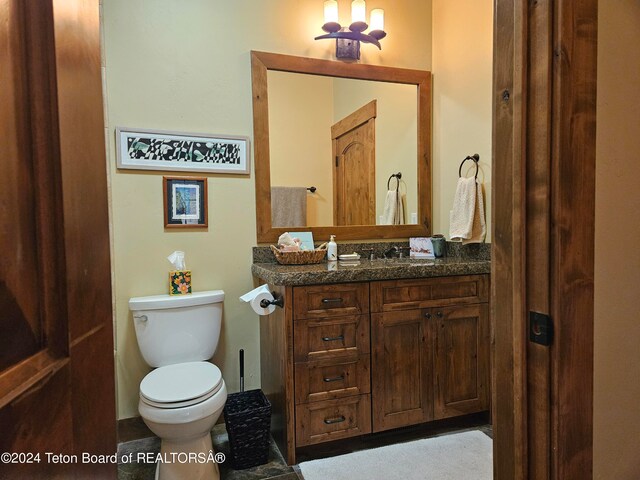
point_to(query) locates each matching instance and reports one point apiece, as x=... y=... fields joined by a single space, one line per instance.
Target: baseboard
x=134 y=428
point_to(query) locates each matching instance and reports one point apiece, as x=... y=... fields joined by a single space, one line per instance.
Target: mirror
x=293 y=145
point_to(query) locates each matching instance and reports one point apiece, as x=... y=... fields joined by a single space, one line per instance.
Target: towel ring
x=397 y=176
x=476 y=158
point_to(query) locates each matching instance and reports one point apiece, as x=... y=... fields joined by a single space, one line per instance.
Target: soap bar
x=349 y=256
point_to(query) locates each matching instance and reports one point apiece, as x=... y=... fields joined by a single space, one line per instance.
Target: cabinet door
x=461 y=360
x=402 y=377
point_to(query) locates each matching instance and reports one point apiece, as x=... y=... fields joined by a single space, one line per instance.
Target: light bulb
x=377 y=19
x=358 y=11
x=331 y=11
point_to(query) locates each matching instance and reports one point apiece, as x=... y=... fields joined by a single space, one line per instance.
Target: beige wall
x=300 y=140
x=396 y=133
x=185 y=66
x=616 y=419
x=462 y=76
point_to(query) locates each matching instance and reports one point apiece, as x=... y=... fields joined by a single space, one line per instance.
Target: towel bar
x=397 y=176
x=476 y=158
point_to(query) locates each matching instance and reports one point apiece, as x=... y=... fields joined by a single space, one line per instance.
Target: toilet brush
x=241 y=370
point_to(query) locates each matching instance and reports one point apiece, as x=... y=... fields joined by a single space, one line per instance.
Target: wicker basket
x=303 y=257
x=247 y=416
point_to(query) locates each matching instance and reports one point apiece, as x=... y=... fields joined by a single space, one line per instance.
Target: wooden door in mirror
x=261 y=63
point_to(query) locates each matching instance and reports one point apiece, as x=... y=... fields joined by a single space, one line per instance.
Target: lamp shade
x=330 y=11
x=377 y=19
x=358 y=11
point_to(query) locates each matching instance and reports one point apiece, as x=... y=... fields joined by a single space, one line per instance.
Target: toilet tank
x=177 y=329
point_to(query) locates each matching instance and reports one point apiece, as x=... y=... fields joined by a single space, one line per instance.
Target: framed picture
x=185 y=201
x=188 y=152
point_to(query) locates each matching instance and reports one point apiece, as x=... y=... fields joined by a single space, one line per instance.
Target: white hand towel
x=463 y=212
x=479 y=229
x=393 y=208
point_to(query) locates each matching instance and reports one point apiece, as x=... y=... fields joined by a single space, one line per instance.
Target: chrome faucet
x=392 y=251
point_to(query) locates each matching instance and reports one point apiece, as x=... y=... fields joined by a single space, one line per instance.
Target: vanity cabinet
x=348 y=359
x=331 y=362
x=430 y=349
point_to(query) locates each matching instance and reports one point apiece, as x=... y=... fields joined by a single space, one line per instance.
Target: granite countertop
x=367 y=270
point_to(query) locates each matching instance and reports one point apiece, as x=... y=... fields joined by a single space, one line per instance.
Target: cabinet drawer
x=330 y=300
x=328 y=379
x=333 y=419
x=330 y=337
x=428 y=292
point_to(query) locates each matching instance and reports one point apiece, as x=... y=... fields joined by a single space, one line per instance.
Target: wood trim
x=260 y=63
x=572 y=236
x=354 y=119
x=21 y=378
x=538 y=154
x=508 y=246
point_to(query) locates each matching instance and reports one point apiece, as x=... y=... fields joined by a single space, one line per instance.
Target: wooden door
x=56 y=337
x=354 y=189
x=544 y=162
x=402 y=368
x=461 y=365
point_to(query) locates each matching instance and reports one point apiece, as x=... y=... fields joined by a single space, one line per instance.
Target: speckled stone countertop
x=368 y=270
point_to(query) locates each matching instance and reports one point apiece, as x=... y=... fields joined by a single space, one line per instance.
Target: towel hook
x=397 y=176
x=476 y=158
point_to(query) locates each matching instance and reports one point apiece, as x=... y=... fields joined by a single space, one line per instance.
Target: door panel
x=55 y=270
x=402 y=369
x=461 y=360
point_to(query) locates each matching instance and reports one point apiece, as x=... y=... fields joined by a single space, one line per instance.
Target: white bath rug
x=460 y=456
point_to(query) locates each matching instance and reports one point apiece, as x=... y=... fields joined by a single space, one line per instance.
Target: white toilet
x=181 y=400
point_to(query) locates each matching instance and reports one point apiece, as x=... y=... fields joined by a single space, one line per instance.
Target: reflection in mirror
x=372 y=126
x=376 y=121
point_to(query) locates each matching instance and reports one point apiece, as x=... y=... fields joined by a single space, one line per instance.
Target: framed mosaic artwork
x=142 y=149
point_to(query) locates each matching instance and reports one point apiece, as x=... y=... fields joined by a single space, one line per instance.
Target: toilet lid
x=181 y=384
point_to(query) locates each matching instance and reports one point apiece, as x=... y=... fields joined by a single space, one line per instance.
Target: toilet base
x=187 y=460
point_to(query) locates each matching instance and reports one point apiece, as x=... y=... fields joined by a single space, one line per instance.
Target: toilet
x=183 y=397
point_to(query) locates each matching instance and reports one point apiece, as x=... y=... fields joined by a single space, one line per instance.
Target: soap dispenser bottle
x=332 y=249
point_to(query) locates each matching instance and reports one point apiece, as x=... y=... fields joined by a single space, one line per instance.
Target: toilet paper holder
x=278 y=301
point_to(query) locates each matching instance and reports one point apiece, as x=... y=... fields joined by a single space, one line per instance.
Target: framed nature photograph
x=185 y=201
x=143 y=149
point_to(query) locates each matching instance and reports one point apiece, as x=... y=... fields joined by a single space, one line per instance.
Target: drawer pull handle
x=332 y=339
x=333 y=379
x=331 y=300
x=339 y=419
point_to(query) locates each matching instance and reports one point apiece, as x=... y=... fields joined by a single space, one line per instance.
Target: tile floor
x=276 y=468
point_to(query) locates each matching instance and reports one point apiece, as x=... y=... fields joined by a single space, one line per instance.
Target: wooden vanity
x=347 y=359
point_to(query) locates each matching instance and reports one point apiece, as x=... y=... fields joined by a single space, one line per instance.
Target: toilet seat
x=180 y=385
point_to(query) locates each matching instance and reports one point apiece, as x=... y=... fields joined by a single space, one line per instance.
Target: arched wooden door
x=354 y=151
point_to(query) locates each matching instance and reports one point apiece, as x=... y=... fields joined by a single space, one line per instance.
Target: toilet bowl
x=182 y=399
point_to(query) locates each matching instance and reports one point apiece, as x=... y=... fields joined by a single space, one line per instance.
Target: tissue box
x=179 y=282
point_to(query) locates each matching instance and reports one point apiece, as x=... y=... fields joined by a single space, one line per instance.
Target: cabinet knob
x=427 y=315
x=439 y=314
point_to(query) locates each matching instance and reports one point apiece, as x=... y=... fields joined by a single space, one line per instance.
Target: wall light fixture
x=348 y=38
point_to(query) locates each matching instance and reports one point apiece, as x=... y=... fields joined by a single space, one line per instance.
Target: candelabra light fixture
x=348 y=38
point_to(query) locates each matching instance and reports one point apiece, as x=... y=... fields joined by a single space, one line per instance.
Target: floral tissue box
x=179 y=282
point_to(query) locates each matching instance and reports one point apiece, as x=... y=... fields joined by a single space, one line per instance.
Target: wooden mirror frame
x=261 y=62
